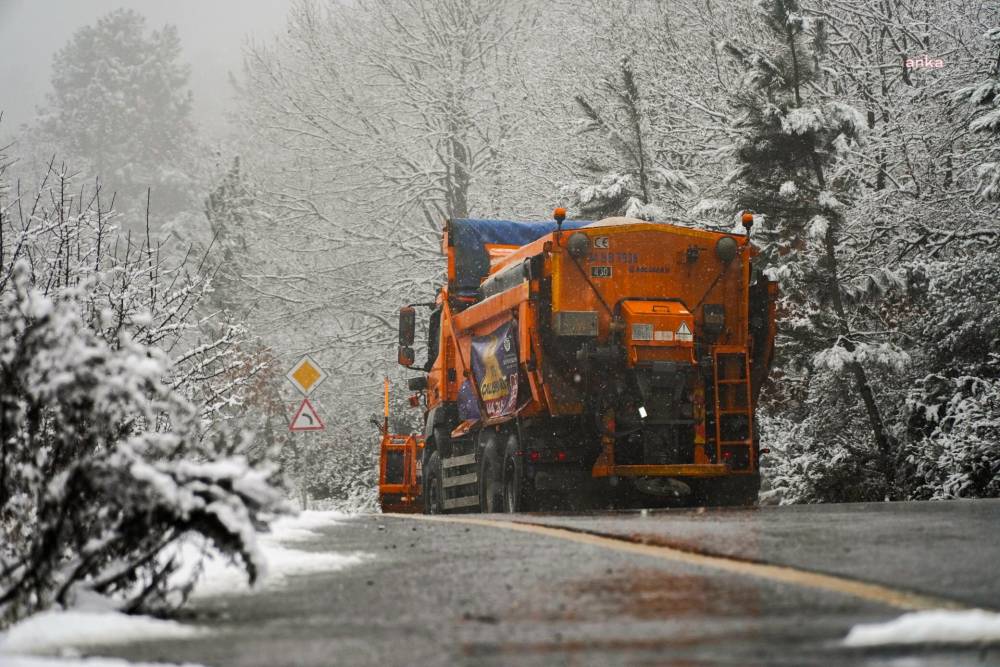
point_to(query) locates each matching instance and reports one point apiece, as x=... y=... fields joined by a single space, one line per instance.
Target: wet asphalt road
x=455 y=594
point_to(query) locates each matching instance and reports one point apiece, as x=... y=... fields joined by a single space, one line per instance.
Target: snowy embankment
x=94 y=622
x=937 y=626
x=59 y=631
x=219 y=577
x=28 y=661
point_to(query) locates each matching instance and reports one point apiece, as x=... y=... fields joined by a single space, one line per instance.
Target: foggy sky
x=212 y=33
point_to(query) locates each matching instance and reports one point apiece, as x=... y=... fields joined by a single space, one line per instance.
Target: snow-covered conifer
x=985 y=99
x=791 y=131
x=119 y=107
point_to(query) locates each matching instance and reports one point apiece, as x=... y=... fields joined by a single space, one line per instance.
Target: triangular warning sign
x=683 y=333
x=306 y=418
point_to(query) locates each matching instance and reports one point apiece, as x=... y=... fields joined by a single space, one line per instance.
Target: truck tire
x=491 y=475
x=515 y=493
x=433 y=489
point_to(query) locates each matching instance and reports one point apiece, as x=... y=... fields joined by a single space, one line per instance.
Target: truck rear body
x=604 y=351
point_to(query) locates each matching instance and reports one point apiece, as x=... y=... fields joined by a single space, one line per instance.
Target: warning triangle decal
x=683 y=333
x=306 y=418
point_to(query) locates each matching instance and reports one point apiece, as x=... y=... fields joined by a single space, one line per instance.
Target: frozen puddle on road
x=936 y=626
x=64 y=631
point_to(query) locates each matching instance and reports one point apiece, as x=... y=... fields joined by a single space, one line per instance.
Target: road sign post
x=306 y=418
x=305 y=376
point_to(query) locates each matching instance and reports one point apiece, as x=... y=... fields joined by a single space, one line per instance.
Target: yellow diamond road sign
x=306 y=375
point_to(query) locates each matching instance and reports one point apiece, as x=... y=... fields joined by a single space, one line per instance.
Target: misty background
x=212 y=32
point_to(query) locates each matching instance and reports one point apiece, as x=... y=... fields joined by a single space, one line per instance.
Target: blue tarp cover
x=470 y=236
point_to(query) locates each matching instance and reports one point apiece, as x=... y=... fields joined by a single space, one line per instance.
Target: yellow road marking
x=781 y=573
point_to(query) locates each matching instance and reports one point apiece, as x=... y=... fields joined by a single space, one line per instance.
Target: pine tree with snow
x=228 y=209
x=985 y=100
x=120 y=105
x=793 y=142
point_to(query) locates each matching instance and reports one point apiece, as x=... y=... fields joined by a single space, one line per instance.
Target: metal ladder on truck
x=733 y=408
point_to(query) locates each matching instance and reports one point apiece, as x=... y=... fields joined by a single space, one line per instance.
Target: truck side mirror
x=407 y=326
x=407 y=332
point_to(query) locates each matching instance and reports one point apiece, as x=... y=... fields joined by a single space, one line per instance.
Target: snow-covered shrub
x=336 y=468
x=952 y=410
x=101 y=465
x=110 y=452
x=820 y=449
x=960 y=458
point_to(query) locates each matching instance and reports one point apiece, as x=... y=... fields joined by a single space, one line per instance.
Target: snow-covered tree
x=630 y=176
x=228 y=209
x=120 y=107
x=952 y=408
x=793 y=167
x=986 y=96
x=116 y=402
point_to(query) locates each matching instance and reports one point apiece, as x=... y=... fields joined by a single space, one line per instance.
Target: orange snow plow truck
x=612 y=363
x=399 y=467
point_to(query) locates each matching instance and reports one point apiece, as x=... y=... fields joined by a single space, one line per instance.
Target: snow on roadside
x=26 y=661
x=220 y=577
x=303 y=525
x=95 y=623
x=937 y=626
x=51 y=630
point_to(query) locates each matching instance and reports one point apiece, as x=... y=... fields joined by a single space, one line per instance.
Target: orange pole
x=386 y=411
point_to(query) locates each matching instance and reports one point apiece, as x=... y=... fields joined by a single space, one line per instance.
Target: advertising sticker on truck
x=495 y=368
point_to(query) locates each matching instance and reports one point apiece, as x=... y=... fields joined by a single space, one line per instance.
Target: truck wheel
x=433 y=490
x=491 y=477
x=516 y=494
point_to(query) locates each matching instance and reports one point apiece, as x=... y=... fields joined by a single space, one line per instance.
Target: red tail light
x=534 y=457
x=560 y=456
